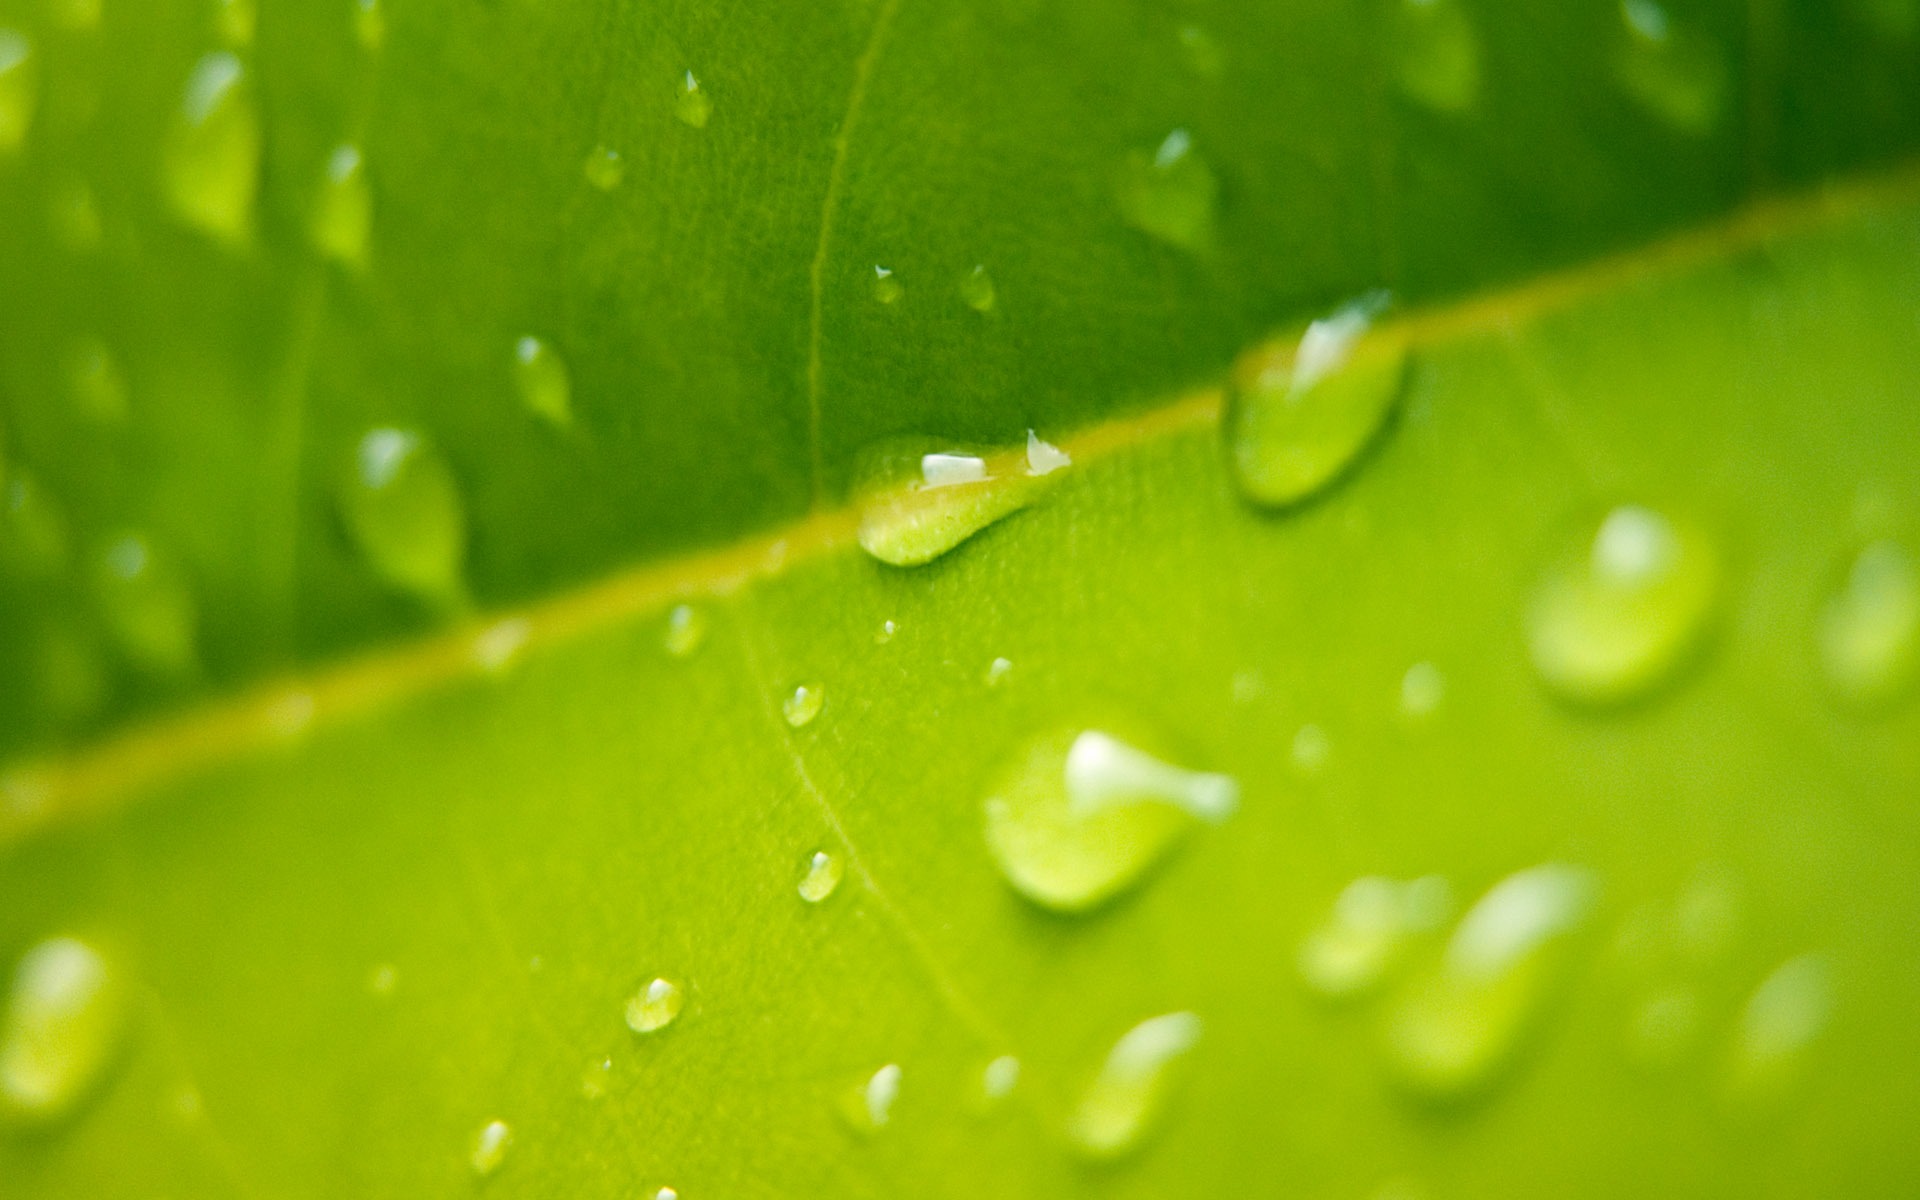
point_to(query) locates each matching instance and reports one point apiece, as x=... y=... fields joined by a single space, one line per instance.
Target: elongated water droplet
x=803 y=704
x=919 y=499
x=605 y=168
x=403 y=509
x=886 y=286
x=1124 y=1102
x=1437 y=54
x=540 y=374
x=868 y=1107
x=821 y=878
x=1870 y=628
x=1782 y=1022
x=1170 y=193
x=692 y=104
x=19 y=89
x=65 y=1017
x=95 y=381
x=147 y=605
x=1305 y=414
x=976 y=289
x=1422 y=689
x=34 y=542
x=369 y=25
x=236 y=22
x=1364 y=938
x=210 y=168
x=490 y=1148
x=655 y=1006
x=343 y=210
x=1673 y=72
x=686 y=630
x=1614 y=619
x=1460 y=1024
x=1080 y=816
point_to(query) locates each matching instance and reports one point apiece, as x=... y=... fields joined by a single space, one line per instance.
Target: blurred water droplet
x=74 y=216
x=69 y=671
x=1124 y=1102
x=691 y=103
x=33 y=530
x=210 y=166
x=65 y=1017
x=147 y=605
x=999 y=1078
x=369 y=24
x=868 y=1107
x=1870 y=627
x=605 y=168
x=821 y=878
x=1311 y=749
x=1707 y=918
x=593 y=1081
x=1778 y=1028
x=236 y=20
x=75 y=16
x=919 y=499
x=95 y=381
x=343 y=210
x=1201 y=51
x=1437 y=54
x=290 y=714
x=1366 y=935
x=403 y=509
x=382 y=980
x=884 y=634
x=1672 y=71
x=490 y=1148
x=541 y=376
x=666 y=1193
x=686 y=630
x=1079 y=817
x=1614 y=619
x=1307 y=413
x=803 y=704
x=886 y=286
x=1464 y=1020
x=1170 y=193
x=1422 y=689
x=19 y=89
x=499 y=645
x=1663 y=1027
x=655 y=1006
x=998 y=670
x=976 y=289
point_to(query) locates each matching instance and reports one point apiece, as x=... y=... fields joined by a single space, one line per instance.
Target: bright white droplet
x=655 y=1006
x=1127 y=1096
x=66 y=1011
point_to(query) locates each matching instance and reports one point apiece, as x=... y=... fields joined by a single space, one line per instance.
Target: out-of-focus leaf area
x=910 y=597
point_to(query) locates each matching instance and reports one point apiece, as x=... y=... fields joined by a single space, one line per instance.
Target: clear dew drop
x=1617 y=617
x=1365 y=938
x=1436 y=54
x=604 y=168
x=19 y=89
x=868 y=1106
x=886 y=286
x=1869 y=631
x=1080 y=816
x=1306 y=414
x=1126 y=1098
x=490 y=1147
x=686 y=630
x=803 y=704
x=400 y=504
x=655 y=1006
x=691 y=104
x=95 y=382
x=821 y=877
x=977 y=290
x=342 y=221
x=1422 y=689
x=540 y=375
x=1456 y=1027
x=369 y=24
x=1671 y=71
x=34 y=539
x=236 y=20
x=210 y=166
x=66 y=1014
x=918 y=498
x=147 y=605
x=1777 y=1031
x=1170 y=193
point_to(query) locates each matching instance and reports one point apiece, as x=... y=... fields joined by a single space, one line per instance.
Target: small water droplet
x=1311 y=749
x=976 y=289
x=499 y=645
x=236 y=21
x=65 y=1017
x=1044 y=458
x=654 y=1006
x=95 y=381
x=803 y=705
x=821 y=878
x=1364 y=938
x=1306 y=413
x=147 y=605
x=1170 y=193
x=1437 y=54
x=1777 y=1030
x=401 y=505
x=343 y=210
x=918 y=498
x=74 y=215
x=369 y=25
x=1707 y=918
x=1869 y=632
x=999 y=1078
x=210 y=168
x=382 y=980
x=868 y=1107
x=1422 y=689
x=490 y=1148
x=884 y=634
x=1616 y=618
x=1663 y=1027
x=998 y=670
x=1673 y=72
x=541 y=376
x=1201 y=51
x=886 y=286
x=605 y=168
x=686 y=630
x=691 y=103
x=1124 y=1102
x=1079 y=817
x=19 y=89
x=1466 y=1018
x=593 y=1081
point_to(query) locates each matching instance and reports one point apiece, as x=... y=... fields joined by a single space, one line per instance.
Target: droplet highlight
x=1364 y=939
x=66 y=1011
x=803 y=704
x=868 y=1107
x=1869 y=631
x=886 y=286
x=821 y=878
x=655 y=1006
x=490 y=1148
x=540 y=375
x=918 y=499
x=402 y=507
x=1170 y=194
x=1128 y=1096
x=210 y=166
x=604 y=168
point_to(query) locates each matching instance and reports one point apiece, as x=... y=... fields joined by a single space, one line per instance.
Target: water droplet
x=1202 y=52
x=654 y=1006
x=74 y=215
x=382 y=980
x=343 y=211
x=691 y=103
x=95 y=382
x=19 y=89
x=686 y=630
x=1311 y=749
x=593 y=1081
x=1170 y=193
x=1422 y=689
x=1365 y=937
x=976 y=289
x=998 y=670
x=666 y=1193
x=290 y=714
x=369 y=24
x=69 y=674
x=822 y=877
x=236 y=21
x=1707 y=918
x=33 y=529
x=401 y=505
x=1437 y=54
x=541 y=375
x=884 y=634
x=65 y=1016
x=147 y=605
x=999 y=1078
x=1663 y=1027
x=490 y=1148
x=886 y=286
x=803 y=705
x=1782 y=1021
x=1673 y=72
x=1044 y=458
x=1464 y=1021
x=1080 y=816
x=919 y=499
x=1308 y=412
x=605 y=168
x=210 y=168
x=868 y=1107
x=1613 y=620
x=1870 y=627
x=1126 y=1098
x=75 y=16
x=499 y=645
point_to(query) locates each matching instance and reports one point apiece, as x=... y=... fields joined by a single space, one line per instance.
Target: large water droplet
x=803 y=704
x=691 y=103
x=19 y=89
x=919 y=499
x=65 y=1016
x=147 y=605
x=1615 y=618
x=343 y=210
x=977 y=290
x=1870 y=627
x=540 y=374
x=605 y=168
x=1170 y=194
x=1457 y=1026
x=1437 y=54
x=400 y=503
x=1781 y=1023
x=95 y=381
x=210 y=167
x=490 y=1148
x=1081 y=816
x=821 y=878
x=1128 y=1095
x=655 y=1006
x=1304 y=415
x=1672 y=71
x=868 y=1107
x=1364 y=938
